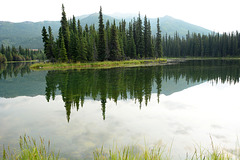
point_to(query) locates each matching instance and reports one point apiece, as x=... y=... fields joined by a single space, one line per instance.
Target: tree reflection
x=119 y=83
x=132 y=83
x=14 y=69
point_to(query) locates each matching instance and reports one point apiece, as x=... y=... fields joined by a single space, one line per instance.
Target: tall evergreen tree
x=131 y=47
x=50 y=46
x=62 y=53
x=145 y=35
x=74 y=40
x=139 y=37
x=114 y=46
x=158 y=46
x=101 y=38
x=65 y=30
x=149 y=43
x=45 y=39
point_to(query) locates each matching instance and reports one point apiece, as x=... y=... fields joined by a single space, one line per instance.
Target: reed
x=30 y=150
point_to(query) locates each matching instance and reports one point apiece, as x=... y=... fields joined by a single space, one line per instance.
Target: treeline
x=19 y=54
x=109 y=42
x=198 y=45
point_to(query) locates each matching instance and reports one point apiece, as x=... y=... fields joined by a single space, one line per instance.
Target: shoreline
x=98 y=65
x=117 y=64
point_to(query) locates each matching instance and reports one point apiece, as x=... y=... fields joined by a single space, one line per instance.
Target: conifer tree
x=50 y=45
x=65 y=30
x=45 y=39
x=145 y=35
x=158 y=46
x=149 y=43
x=74 y=40
x=62 y=53
x=114 y=46
x=139 y=37
x=3 y=51
x=101 y=38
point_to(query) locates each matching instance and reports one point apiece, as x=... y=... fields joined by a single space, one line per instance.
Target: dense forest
x=131 y=41
x=198 y=45
x=109 y=42
x=19 y=54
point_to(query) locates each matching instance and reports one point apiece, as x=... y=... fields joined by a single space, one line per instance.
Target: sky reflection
x=186 y=118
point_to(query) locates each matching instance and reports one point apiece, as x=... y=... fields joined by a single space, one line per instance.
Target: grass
x=132 y=153
x=29 y=150
x=95 y=65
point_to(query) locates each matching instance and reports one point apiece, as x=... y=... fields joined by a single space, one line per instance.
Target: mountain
x=28 y=34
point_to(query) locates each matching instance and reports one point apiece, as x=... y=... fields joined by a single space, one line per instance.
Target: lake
x=180 y=106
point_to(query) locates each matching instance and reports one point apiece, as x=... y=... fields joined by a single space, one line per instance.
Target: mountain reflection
x=133 y=83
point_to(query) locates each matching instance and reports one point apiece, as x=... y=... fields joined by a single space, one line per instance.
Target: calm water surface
x=81 y=110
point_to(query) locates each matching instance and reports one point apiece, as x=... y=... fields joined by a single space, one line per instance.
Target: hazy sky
x=216 y=15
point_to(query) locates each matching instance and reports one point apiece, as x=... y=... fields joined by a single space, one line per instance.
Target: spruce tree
x=74 y=40
x=149 y=41
x=3 y=51
x=114 y=46
x=139 y=37
x=158 y=46
x=65 y=30
x=50 y=46
x=45 y=39
x=145 y=35
x=62 y=53
x=101 y=38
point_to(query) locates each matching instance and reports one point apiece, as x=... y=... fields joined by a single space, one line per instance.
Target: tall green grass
x=30 y=150
x=132 y=153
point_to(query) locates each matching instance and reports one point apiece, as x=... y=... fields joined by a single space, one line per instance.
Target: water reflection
x=13 y=69
x=227 y=71
x=120 y=83
x=181 y=105
x=133 y=83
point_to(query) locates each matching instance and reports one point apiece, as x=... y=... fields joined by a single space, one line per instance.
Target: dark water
x=81 y=110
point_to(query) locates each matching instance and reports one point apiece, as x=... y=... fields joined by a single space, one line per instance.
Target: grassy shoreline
x=31 y=149
x=126 y=63
x=97 y=65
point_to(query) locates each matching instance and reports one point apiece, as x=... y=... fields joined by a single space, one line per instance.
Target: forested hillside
x=28 y=34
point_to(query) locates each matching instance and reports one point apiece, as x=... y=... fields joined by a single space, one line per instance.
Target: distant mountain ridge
x=28 y=34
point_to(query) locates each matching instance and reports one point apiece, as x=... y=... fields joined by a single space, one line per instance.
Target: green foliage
x=3 y=58
x=132 y=153
x=63 y=53
x=197 y=45
x=101 y=38
x=114 y=47
x=20 y=54
x=65 y=31
x=45 y=39
x=30 y=150
x=158 y=46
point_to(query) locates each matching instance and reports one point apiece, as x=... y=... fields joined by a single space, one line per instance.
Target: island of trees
x=109 y=42
x=131 y=41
